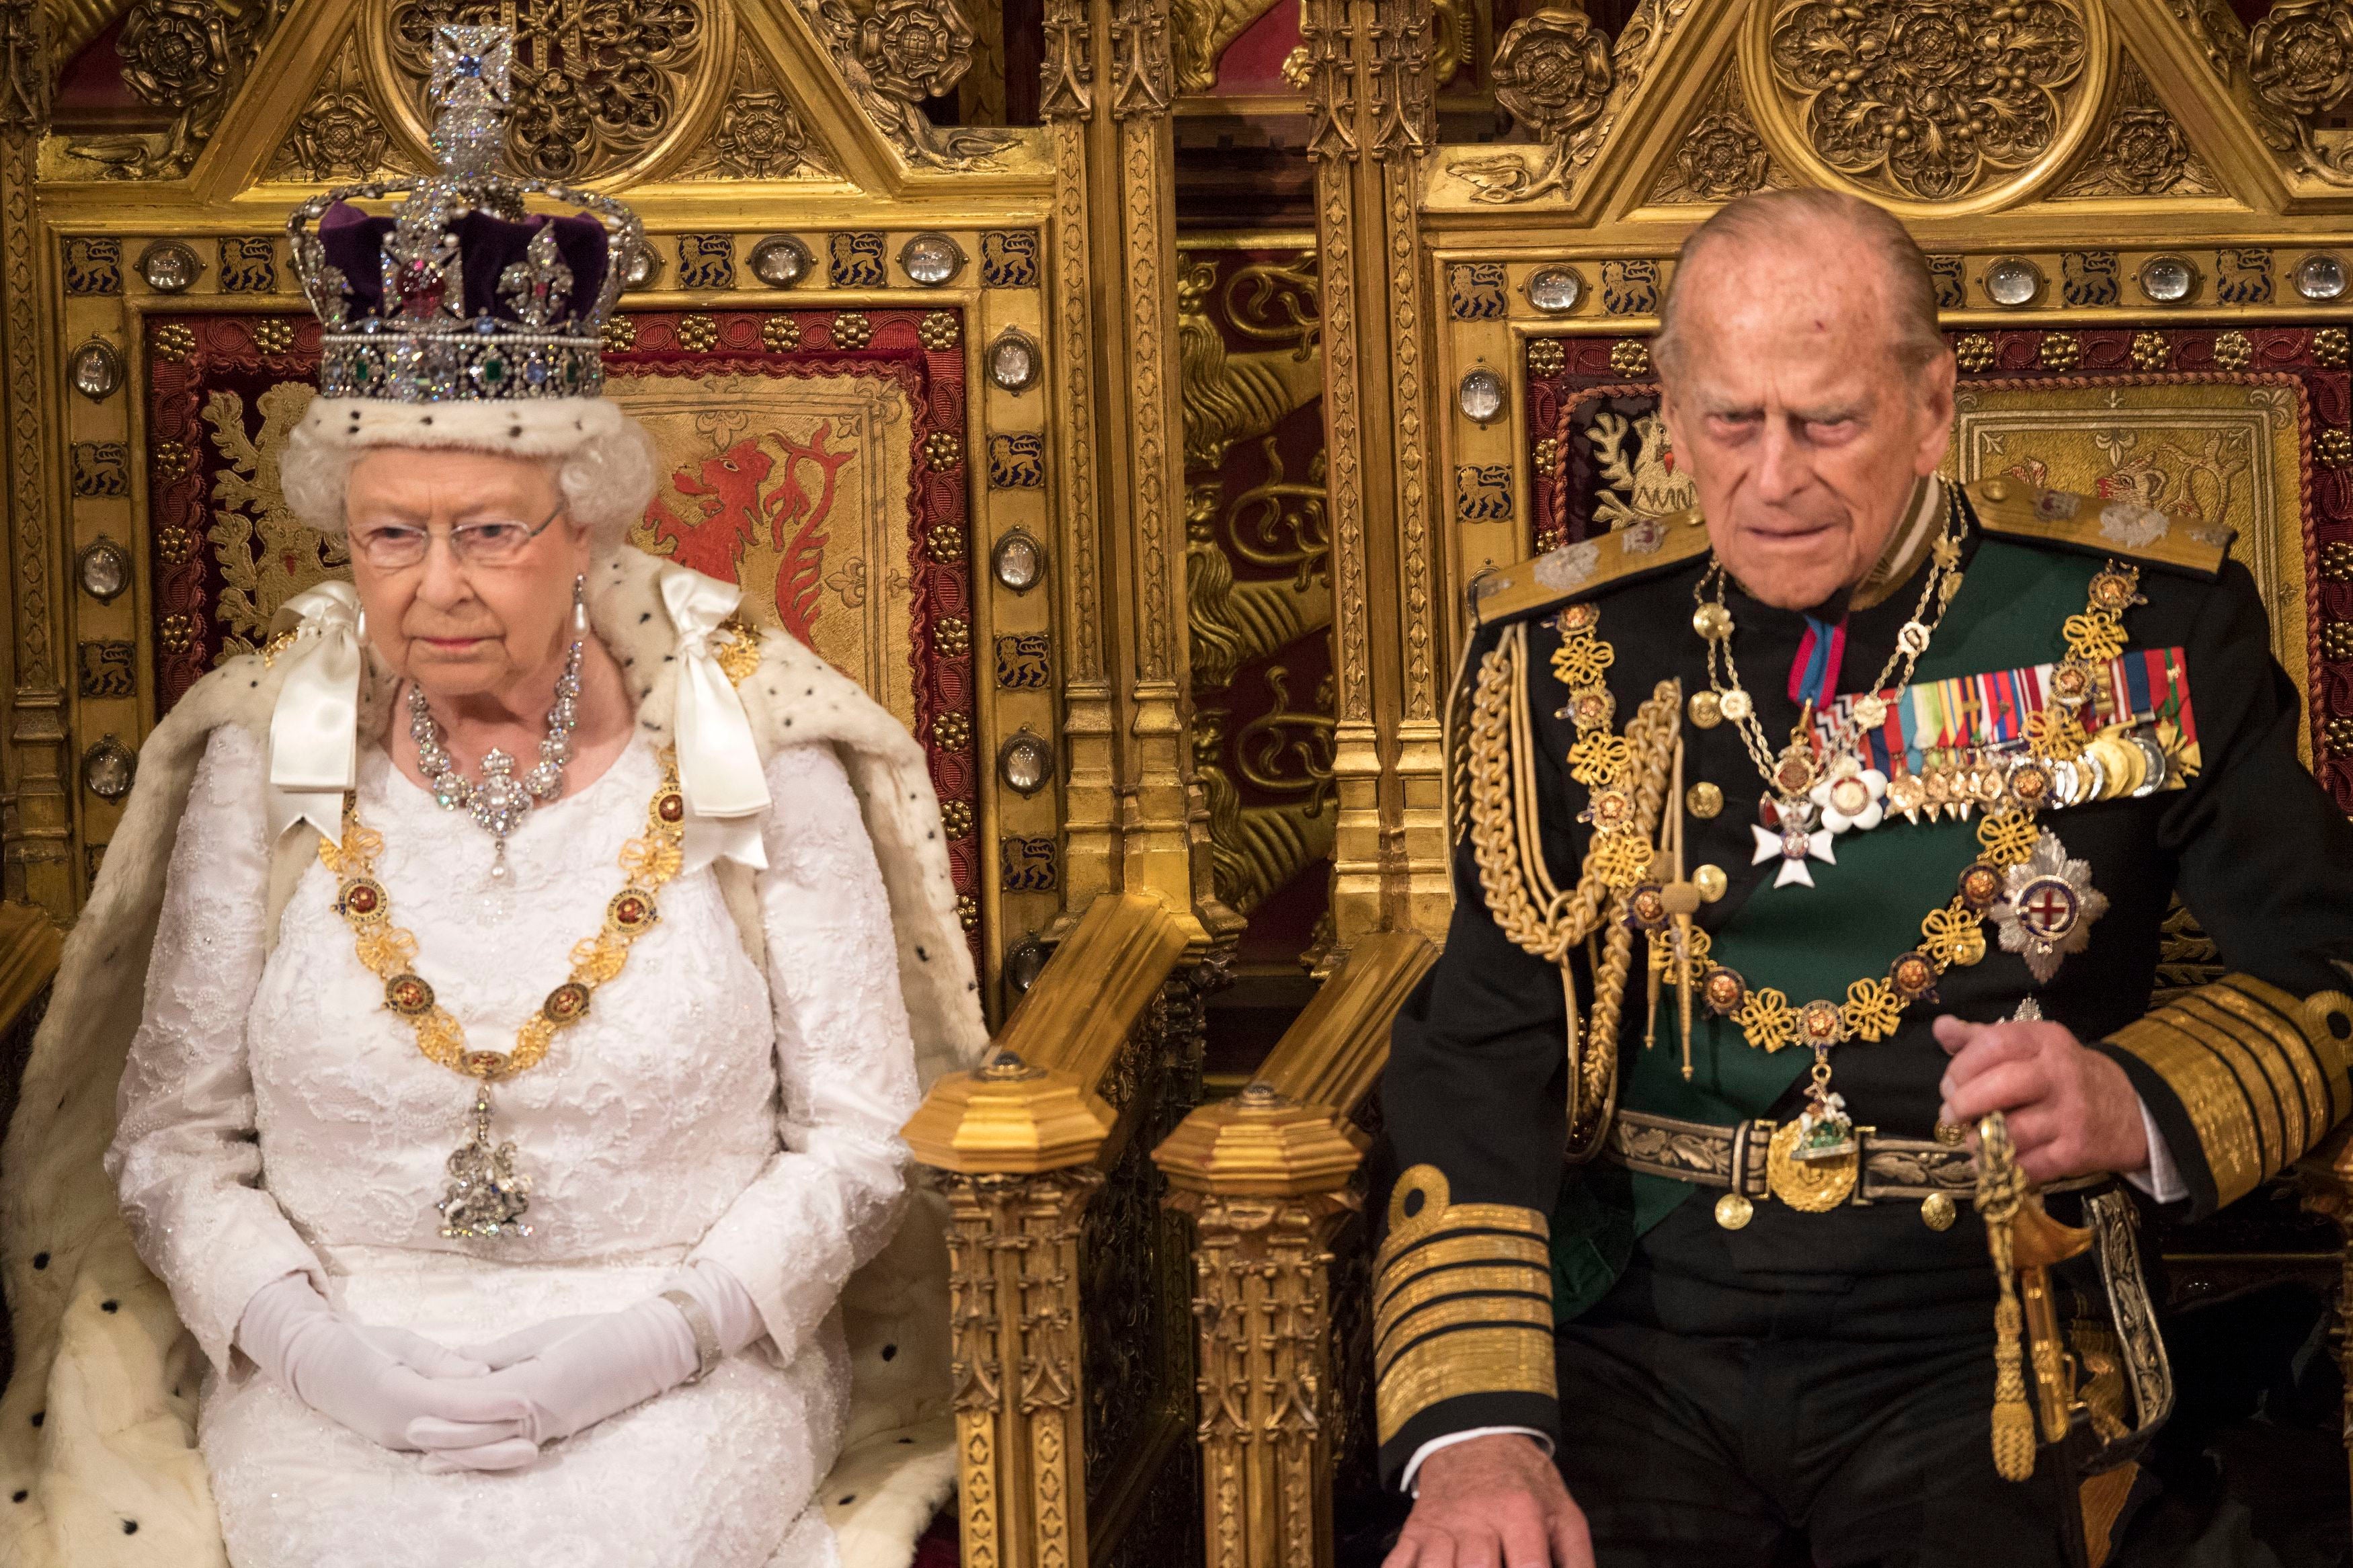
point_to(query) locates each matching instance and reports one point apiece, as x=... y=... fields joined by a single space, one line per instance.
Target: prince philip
x=1797 y=833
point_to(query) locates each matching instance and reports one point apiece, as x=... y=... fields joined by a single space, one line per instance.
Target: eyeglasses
x=396 y=546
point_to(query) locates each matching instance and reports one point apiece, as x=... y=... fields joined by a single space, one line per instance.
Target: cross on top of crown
x=468 y=89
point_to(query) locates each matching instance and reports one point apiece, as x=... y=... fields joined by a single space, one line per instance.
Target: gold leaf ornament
x=2092 y=638
x=1766 y=1019
x=1871 y=1008
x=1598 y=758
x=2007 y=837
x=1953 y=936
x=1580 y=661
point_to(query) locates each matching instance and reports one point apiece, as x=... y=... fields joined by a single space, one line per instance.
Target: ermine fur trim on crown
x=546 y=427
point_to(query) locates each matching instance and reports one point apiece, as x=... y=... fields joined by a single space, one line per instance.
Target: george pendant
x=2048 y=906
x=486 y=1199
x=1810 y=1184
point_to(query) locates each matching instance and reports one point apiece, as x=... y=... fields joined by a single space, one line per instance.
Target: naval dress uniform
x=1730 y=1344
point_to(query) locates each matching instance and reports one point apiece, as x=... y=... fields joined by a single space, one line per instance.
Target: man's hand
x=2072 y=1111
x=1492 y=1502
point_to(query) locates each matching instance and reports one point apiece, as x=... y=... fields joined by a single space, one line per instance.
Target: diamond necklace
x=501 y=801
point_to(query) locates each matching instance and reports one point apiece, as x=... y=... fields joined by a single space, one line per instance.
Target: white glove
x=396 y=1389
x=572 y=1372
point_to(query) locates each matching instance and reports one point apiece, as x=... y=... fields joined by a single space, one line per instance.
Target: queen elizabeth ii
x=541 y=966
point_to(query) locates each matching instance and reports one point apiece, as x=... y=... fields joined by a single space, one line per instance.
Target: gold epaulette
x=1610 y=560
x=2011 y=509
x=2259 y=1072
x=1461 y=1300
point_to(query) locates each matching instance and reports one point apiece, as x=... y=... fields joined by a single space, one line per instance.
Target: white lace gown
x=275 y=1117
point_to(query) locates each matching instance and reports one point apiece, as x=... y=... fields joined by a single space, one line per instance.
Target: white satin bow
x=314 y=729
x=719 y=767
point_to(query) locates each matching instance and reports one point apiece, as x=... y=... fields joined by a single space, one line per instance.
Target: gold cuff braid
x=1462 y=1298
x=2260 y=1071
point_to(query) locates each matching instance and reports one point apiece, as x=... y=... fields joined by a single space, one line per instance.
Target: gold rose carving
x=600 y=86
x=1553 y=74
x=341 y=135
x=760 y=134
x=1553 y=71
x=1564 y=74
x=2143 y=152
x=1721 y=156
x=185 y=56
x=895 y=54
x=2300 y=67
x=1929 y=100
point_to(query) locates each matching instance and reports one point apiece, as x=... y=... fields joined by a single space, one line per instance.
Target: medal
x=1824 y=773
x=2048 y=906
x=1794 y=847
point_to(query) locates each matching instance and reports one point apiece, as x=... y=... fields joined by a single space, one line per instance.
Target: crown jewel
x=461 y=295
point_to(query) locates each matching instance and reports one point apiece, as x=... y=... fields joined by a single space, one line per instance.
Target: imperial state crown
x=461 y=295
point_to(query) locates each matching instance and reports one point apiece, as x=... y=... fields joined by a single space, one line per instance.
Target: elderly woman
x=525 y=1039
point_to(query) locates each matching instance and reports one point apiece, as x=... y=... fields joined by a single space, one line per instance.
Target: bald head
x=1842 y=240
x=1805 y=387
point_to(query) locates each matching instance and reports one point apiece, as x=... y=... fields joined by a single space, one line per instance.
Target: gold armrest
x=1266 y=1177
x=1021 y=1143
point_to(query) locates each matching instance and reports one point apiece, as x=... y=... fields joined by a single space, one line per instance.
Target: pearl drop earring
x=580 y=605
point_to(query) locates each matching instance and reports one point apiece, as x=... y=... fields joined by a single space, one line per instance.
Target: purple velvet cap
x=353 y=242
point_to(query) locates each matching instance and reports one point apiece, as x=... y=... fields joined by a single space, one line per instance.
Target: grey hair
x=1769 y=216
x=606 y=481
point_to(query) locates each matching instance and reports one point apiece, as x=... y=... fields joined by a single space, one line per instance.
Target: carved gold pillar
x=1265 y=1180
x=1418 y=891
x=1158 y=817
x=38 y=819
x=1090 y=727
x=1328 y=35
x=1368 y=65
x=1137 y=820
x=1015 y=1145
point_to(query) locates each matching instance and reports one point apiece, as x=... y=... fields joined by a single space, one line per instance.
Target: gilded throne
x=944 y=399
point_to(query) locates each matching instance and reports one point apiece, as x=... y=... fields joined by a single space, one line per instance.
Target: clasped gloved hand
x=568 y=1373
x=397 y=1389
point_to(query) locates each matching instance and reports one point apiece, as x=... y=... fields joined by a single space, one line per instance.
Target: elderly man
x=1800 y=832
